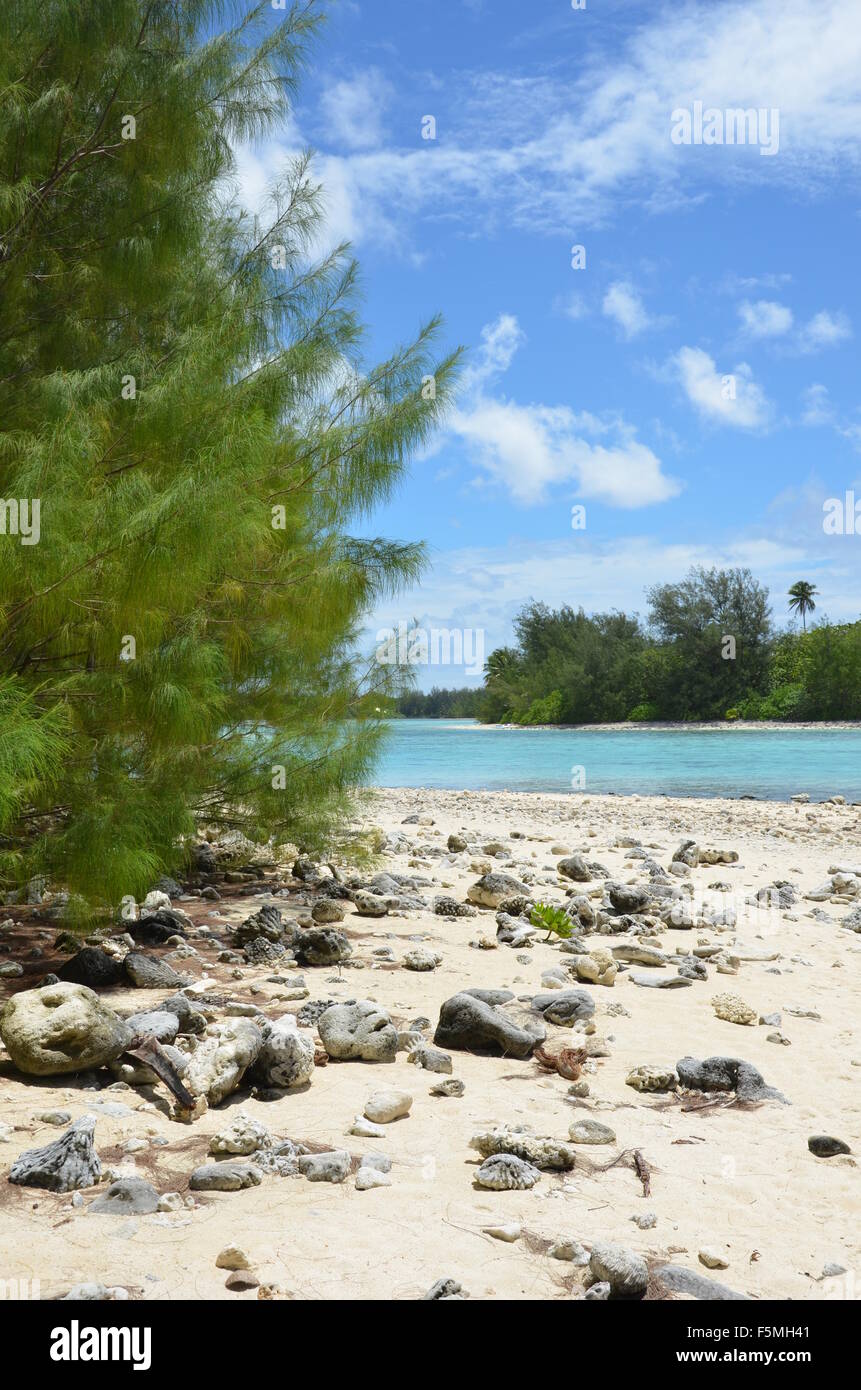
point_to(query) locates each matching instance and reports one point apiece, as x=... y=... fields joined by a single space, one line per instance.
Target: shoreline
x=671 y=726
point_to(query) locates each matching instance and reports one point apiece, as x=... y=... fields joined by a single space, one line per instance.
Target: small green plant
x=553 y=920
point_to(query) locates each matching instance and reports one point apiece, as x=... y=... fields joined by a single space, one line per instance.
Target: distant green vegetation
x=708 y=650
x=440 y=704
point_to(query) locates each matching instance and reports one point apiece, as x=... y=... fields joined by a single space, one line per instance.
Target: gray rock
x=443 y=1288
x=726 y=1074
x=358 y=1031
x=286 y=1057
x=622 y=1269
x=628 y=897
x=332 y=1166
x=634 y=953
x=429 y=1058
x=492 y=889
x=148 y=972
x=659 y=981
x=491 y=996
x=447 y=1088
x=574 y=867
x=162 y=1024
x=370 y=904
x=446 y=906
x=691 y=968
x=266 y=922
x=321 y=946
x=61 y=1028
x=502 y=1172
x=598 y=1293
x=127 y=1197
x=589 y=1131
x=565 y=1006
x=230 y=1175
x=70 y=1162
x=677 y=1279
x=328 y=910
x=466 y=1023
x=221 y=1058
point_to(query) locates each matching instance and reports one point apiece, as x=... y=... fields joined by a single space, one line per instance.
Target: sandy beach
x=737 y=1182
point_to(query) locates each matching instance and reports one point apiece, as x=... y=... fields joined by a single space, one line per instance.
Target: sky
x=689 y=377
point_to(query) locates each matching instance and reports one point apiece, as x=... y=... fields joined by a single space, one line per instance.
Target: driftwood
x=147 y=1049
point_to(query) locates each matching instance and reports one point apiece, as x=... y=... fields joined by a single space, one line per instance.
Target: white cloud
x=622 y=304
x=549 y=152
x=824 y=330
x=817 y=406
x=352 y=110
x=765 y=318
x=729 y=398
x=531 y=449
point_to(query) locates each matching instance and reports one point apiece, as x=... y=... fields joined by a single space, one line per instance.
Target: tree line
x=709 y=649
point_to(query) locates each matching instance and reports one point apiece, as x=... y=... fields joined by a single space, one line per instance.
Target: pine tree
x=183 y=392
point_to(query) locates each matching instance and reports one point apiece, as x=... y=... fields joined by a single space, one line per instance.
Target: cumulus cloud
x=765 y=318
x=352 y=110
x=530 y=449
x=824 y=330
x=622 y=304
x=726 y=398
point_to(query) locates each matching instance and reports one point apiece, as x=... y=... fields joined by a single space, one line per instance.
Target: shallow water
x=770 y=763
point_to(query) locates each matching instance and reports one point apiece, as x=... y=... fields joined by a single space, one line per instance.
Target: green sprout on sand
x=554 y=920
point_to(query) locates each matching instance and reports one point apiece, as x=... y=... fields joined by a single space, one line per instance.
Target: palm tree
x=801 y=599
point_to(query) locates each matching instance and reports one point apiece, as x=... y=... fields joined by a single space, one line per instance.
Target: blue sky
x=710 y=269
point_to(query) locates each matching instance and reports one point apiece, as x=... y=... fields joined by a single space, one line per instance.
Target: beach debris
x=286 y=1056
x=504 y=1171
x=538 y=1150
x=733 y=1009
x=652 y=1078
x=625 y=1272
x=359 y=1031
x=221 y=1058
x=69 y=1163
x=229 y=1175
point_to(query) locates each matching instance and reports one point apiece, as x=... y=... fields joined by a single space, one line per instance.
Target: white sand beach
x=738 y=1182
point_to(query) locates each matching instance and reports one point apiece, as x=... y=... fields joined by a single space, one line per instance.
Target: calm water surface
x=773 y=764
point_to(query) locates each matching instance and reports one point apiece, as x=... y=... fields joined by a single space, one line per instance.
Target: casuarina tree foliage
x=192 y=440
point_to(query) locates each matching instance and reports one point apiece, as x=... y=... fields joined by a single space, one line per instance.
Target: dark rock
x=467 y=1023
x=92 y=967
x=157 y=927
x=445 y=906
x=321 y=946
x=691 y=968
x=574 y=867
x=168 y=885
x=443 y=1288
x=260 y=951
x=628 y=897
x=203 y=858
x=306 y=871
x=825 y=1146
x=70 y=1162
x=127 y=1197
x=726 y=1074
x=266 y=922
